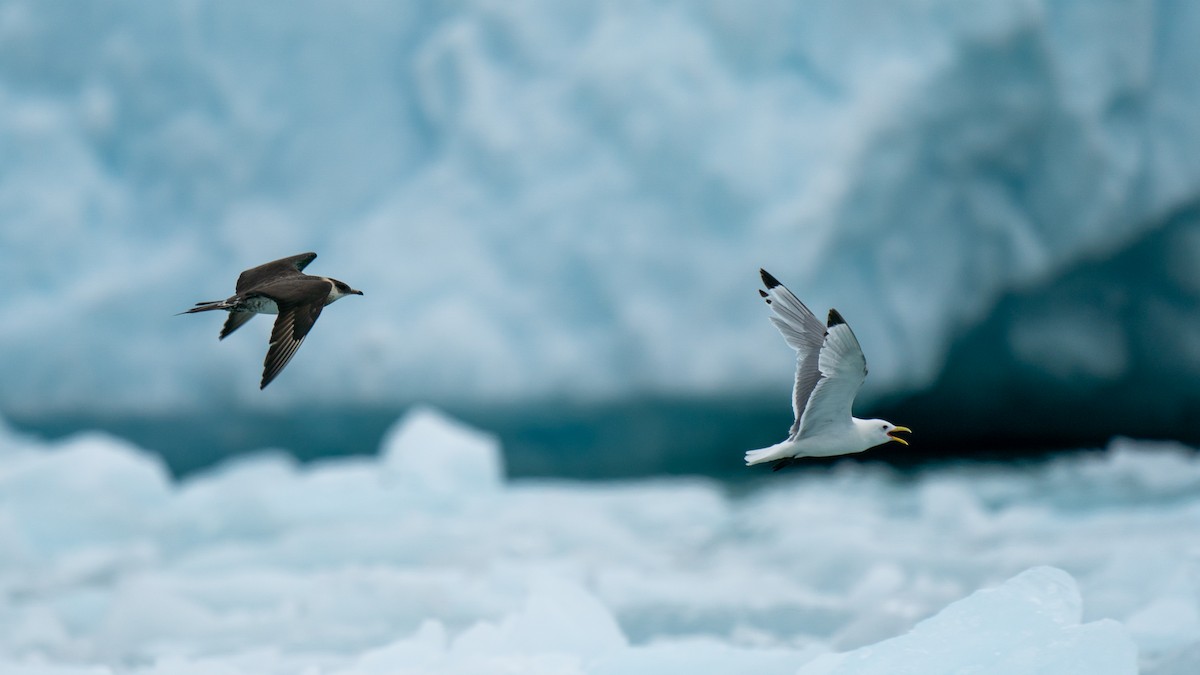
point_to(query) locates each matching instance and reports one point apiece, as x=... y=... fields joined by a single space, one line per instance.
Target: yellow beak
x=897 y=438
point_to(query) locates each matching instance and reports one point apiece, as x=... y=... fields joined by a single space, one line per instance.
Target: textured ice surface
x=424 y=560
x=1031 y=624
x=543 y=198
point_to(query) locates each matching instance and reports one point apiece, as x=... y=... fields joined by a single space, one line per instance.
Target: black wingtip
x=769 y=280
x=835 y=318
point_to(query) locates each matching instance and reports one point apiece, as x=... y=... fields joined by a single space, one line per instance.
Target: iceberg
x=464 y=461
x=1031 y=624
x=397 y=564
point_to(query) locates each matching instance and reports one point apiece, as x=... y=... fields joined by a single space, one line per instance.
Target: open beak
x=897 y=438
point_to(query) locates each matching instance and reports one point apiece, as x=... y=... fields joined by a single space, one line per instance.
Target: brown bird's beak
x=897 y=438
x=357 y=292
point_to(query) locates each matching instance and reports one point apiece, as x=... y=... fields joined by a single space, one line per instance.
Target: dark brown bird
x=282 y=288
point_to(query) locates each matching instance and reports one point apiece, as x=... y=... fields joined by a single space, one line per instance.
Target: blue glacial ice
x=543 y=199
x=425 y=559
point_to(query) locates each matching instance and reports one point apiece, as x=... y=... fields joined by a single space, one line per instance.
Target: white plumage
x=830 y=369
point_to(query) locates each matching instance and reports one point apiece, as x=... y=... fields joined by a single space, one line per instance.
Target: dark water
x=632 y=438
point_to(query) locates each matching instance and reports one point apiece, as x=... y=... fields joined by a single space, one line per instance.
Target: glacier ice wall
x=543 y=199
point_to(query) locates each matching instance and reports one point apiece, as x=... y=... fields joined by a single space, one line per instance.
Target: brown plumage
x=279 y=287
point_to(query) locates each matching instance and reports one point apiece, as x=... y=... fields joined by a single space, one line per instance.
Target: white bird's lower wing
x=843 y=369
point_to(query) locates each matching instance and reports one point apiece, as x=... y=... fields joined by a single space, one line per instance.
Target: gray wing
x=804 y=332
x=276 y=269
x=300 y=302
x=843 y=369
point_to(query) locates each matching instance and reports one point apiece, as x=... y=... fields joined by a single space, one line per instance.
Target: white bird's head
x=878 y=432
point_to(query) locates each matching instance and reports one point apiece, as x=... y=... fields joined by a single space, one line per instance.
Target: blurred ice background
x=557 y=212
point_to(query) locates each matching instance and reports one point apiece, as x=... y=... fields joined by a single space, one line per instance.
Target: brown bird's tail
x=206 y=307
x=237 y=317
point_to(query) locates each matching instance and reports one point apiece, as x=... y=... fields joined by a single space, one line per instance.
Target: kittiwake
x=830 y=368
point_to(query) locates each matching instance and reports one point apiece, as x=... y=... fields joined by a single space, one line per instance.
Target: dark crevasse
x=1110 y=346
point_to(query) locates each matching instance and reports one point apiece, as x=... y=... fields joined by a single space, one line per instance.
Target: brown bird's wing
x=235 y=321
x=274 y=270
x=306 y=299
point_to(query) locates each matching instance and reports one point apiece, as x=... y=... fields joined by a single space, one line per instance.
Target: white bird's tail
x=778 y=451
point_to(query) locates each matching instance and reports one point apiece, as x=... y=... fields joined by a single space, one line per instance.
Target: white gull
x=830 y=369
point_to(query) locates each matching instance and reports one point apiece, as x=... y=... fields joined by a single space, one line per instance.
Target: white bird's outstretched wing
x=804 y=332
x=843 y=369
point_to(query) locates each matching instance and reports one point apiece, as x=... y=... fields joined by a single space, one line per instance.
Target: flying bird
x=279 y=287
x=830 y=368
